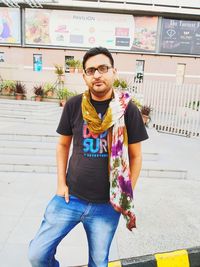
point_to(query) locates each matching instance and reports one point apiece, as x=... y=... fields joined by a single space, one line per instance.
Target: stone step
x=19 y=127
x=32 y=112
x=29 y=111
x=47 y=164
x=45 y=151
x=29 y=121
x=27 y=144
x=27 y=104
x=33 y=137
x=163 y=169
x=150 y=156
x=161 y=172
x=27 y=148
x=50 y=117
x=16 y=163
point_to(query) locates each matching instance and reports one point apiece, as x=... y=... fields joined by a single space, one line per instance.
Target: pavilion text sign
x=89 y=29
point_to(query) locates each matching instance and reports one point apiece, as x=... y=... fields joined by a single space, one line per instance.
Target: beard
x=100 y=89
x=100 y=93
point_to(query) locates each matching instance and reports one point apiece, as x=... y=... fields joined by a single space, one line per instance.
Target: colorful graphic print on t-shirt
x=94 y=145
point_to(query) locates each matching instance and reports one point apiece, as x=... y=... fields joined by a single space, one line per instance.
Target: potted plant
x=1 y=87
x=39 y=92
x=120 y=84
x=64 y=94
x=72 y=63
x=146 y=111
x=79 y=66
x=49 y=90
x=59 y=70
x=7 y=87
x=19 y=90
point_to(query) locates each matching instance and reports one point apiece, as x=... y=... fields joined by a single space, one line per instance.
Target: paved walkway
x=167 y=206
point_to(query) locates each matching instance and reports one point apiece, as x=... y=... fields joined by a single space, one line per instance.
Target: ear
x=84 y=76
x=115 y=73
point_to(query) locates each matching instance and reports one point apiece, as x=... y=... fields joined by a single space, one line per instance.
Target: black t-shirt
x=87 y=173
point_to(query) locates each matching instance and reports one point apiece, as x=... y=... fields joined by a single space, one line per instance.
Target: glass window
x=139 y=71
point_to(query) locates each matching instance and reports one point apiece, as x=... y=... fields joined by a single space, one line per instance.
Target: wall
x=18 y=65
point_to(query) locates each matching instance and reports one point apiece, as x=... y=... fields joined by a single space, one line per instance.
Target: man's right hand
x=63 y=191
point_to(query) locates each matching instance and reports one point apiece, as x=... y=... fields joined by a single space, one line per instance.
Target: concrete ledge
x=143 y=261
x=194 y=256
x=178 y=258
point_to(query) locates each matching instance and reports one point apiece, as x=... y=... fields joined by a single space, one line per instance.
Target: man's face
x=100 y=84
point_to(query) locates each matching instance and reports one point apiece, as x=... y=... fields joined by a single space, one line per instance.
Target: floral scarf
x=121 y=195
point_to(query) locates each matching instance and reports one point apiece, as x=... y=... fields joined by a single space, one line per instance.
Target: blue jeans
x=100 y=223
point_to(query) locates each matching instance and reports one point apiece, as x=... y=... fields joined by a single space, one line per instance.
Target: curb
x=178 y=258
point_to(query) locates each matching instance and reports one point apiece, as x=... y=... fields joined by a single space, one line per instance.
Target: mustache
x=97 y=80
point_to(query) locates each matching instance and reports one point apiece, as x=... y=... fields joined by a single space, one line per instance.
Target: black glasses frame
x=101 y=69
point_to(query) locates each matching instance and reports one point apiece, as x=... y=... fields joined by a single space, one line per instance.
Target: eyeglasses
x=101 y=69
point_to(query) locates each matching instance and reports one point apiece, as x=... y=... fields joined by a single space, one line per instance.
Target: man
x=107 y=130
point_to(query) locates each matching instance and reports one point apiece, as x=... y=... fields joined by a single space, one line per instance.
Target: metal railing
x=176 y=108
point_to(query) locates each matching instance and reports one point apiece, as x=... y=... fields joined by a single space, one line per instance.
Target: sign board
x=78 y=29
x=180 y=36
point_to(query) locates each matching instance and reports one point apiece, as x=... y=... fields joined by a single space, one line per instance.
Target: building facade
x=149 y=40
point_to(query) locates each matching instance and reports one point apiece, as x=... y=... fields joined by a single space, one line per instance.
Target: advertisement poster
x=145 y=34
x=79 y=29
x=10 y=25
x=180 y=36
x=37 y=62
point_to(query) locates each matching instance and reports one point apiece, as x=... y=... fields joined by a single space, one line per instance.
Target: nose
x=97 y=74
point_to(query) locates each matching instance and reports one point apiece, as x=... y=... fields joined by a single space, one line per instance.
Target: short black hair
x=96 y=51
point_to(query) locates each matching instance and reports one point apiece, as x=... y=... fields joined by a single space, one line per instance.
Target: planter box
x=7 y=96
x=51 y=99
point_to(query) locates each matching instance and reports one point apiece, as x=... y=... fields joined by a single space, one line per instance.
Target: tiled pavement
x=167 y=195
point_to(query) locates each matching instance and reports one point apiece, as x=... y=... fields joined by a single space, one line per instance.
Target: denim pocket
x=73 y=197
x=56 y=204
x=59 y=196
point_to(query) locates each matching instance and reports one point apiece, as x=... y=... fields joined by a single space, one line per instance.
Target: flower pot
x=61 y=78
x=49 y=94
x=62 y=102
x=38 y=98
x=71 y=69
x=19 y=96
x=80 y=70
x=145 y=119
x=7 y=91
